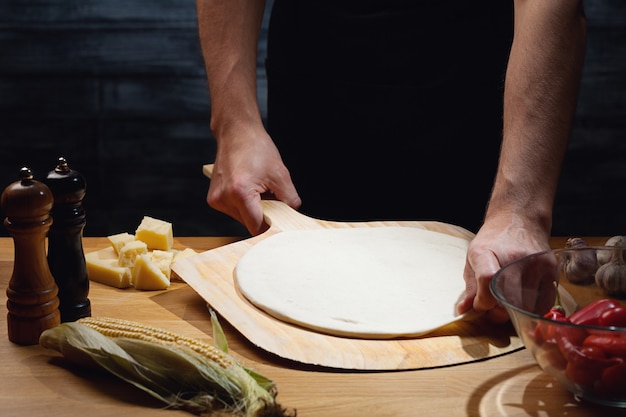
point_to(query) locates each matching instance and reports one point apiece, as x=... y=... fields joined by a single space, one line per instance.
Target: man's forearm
x=541 y=88
x=229 y=32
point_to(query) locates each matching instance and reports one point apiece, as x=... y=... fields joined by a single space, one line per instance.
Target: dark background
x=118 y=88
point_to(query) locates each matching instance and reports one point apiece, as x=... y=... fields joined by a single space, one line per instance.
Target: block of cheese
x=119 y=240
x=178 y=255
x=158 y=234
x=163 y=260
x=130 y=251
x=102 y=267
x=146 y=275
x=184 y=253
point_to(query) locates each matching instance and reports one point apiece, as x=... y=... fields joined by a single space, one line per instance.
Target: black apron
x=389 y=110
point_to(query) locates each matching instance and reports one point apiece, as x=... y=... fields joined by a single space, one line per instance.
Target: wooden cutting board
x=210 y=274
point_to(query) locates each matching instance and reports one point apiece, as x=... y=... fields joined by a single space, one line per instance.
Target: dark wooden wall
x=593 y=181
x=118 y=88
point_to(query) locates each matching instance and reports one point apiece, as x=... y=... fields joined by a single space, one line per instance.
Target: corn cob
x=113 y=327
x=183 y=372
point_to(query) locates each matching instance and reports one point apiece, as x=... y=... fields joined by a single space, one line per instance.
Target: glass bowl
x=585 y=351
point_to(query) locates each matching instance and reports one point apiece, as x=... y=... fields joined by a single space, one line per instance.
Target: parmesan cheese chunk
x=102 y=267
x=181 y=254
x=130 y=251
x=163 y=260
x=158 y=234
x=147 y=276
x=178 y=255
x=119 y=240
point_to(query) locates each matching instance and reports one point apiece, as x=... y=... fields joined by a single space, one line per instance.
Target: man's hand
x=240 y=178
x=502 y=239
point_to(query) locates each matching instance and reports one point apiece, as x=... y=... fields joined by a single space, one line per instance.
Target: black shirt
x=389 y=109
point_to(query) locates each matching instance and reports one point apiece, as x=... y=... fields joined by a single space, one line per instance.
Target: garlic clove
x=618 y=241
x=579 y=265
x=575 y=242
x=611 y=276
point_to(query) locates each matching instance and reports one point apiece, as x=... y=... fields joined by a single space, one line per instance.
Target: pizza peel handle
x=279 y=216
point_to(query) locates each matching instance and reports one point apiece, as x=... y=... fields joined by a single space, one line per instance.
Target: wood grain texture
x=37 y=382
x=211 y=275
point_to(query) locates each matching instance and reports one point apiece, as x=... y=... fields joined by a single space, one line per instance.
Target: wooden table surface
x=36 y=382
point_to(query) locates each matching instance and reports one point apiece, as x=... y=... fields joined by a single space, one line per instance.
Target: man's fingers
x=251 y=214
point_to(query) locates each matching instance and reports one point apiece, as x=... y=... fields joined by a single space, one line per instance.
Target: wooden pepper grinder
x=33 y=305
x=66 y=257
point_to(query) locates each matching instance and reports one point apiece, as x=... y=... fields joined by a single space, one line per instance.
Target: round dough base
x=375 y=283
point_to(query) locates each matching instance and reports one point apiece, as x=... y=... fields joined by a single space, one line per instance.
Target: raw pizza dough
x=377 y=283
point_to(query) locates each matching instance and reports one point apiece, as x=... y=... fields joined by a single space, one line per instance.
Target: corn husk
x=178 y=376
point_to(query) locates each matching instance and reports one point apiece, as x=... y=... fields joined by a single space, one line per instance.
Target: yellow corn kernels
x=112 y=327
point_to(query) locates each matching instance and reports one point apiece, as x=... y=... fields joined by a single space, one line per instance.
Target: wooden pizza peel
x=210 y=274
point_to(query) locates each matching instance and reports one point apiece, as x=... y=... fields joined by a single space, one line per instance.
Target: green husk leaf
x=220 y=342
x=263 y=381
x=81 y=344
x=219 y=337
x=176 y=375
x=193 y=383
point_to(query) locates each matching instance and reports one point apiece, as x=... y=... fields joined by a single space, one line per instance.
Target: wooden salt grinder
x=66 y=257
x=33 y=305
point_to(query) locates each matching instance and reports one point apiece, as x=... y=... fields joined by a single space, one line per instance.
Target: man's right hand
x=245 y=173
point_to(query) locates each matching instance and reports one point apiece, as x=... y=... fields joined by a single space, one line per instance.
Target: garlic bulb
x=579 y=265
x=611 y=276
x=605 y=256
